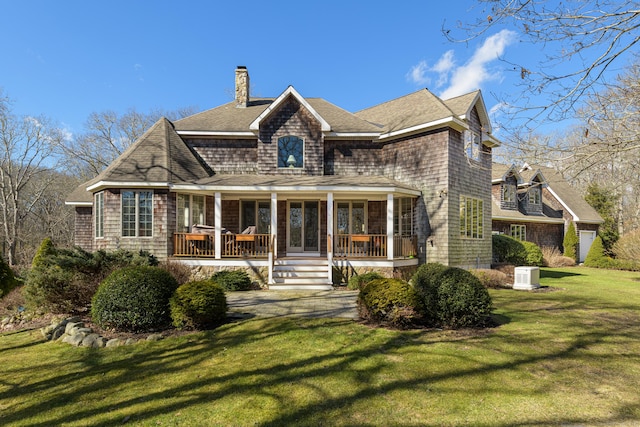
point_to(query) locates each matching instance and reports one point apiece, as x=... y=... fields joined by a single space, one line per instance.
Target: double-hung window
x=534 y=195
x=519 y=232
x=137 y=213
x=290 y=152
x=472 y=145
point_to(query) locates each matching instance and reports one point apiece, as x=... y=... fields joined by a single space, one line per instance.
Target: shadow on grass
x=111 y=370
x=554 y=274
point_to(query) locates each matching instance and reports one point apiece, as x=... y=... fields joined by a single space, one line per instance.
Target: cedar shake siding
x=409 y=148
x=541 y=234
x=84 y=228
x=291 y=119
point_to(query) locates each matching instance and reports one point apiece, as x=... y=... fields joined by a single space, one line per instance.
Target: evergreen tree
x=570 y=242
x=604 y=201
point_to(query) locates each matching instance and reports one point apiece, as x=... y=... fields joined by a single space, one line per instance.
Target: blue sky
x=67 y=59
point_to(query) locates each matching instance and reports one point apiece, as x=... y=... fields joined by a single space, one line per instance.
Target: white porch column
x=273 y=230
x=390 y=226
x=217 y=222
x=330 y=242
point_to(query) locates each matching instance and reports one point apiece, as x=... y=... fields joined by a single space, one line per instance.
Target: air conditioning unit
x=526 y=278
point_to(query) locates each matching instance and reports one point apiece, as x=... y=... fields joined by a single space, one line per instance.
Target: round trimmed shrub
x=425 y=283
x=134 y=299
x=389 y=302
x=508 y=250
x=198 y=304
x=462 y=301
x=532 y=254
x=359 y=281
x=232 y=280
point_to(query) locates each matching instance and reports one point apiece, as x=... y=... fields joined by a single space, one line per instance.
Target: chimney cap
x=242 y=67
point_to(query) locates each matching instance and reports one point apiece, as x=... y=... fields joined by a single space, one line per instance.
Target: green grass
x=564 y=357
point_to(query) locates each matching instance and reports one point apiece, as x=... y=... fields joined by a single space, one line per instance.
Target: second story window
x=508 y=193
x=472 y=144
x=534 y=196
x=290 y=152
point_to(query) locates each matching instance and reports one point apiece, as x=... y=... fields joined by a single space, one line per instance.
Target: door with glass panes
x=303 y=227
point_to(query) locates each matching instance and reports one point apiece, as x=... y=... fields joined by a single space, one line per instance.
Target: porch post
x=273 y=231
x=217 y=222
x=390 y=226
x=330 y=237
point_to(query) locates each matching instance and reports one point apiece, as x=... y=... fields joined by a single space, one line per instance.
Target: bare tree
x=107 y=135
x=581 y=40
x=26 y=156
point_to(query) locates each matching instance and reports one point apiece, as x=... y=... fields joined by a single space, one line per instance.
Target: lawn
x=567 y=355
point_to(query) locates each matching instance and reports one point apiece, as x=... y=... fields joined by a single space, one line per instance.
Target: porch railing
x=405 y=246
x=374 y=246
x=233 y=245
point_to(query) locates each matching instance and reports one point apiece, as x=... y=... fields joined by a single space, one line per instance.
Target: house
x=299 y=191
x=536 y=204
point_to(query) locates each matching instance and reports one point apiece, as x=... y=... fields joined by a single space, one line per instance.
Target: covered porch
x=293 y=228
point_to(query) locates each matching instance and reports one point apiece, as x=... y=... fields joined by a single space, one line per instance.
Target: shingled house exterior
x=536 y=204
x=296 y=189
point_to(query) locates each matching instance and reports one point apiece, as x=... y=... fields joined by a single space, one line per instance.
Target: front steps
x=300 y=274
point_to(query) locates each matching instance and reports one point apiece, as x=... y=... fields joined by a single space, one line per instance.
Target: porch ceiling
x=300 y=184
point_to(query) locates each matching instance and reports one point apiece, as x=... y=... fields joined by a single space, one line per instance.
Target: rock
x=90 y=340
x=114 y=342
x=130 y=341
x=100 y=342
x=84 y=330
x=74 y=339
x=57 y=333
x=155 y=337
x=70 y=325
x=5 y=321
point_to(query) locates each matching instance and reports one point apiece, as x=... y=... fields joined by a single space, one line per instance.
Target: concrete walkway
x=312 y=304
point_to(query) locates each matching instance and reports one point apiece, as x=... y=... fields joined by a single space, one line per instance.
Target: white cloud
x=443 y=67
x=474 y=72
x=417 y=74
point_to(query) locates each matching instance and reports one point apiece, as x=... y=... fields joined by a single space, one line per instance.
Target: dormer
x=531 y=189
x=509 y=182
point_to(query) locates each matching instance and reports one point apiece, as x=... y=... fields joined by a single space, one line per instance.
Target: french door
x=303 y=228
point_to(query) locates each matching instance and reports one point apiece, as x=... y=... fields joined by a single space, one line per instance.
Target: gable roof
x=410 y=111
x=227 y=120
x=566 y=195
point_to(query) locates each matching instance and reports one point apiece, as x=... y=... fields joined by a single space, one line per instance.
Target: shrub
x=552 y=257
x=359 y=281
x=61 y=280
x=512 y=251
x=570 y=242
x=134 y=299
x=628 y=246
x=493 y=279
x=425 y=283
x=533 y=254
x=235 y=280
x=462 y=300
x=181 y=272
x=389 y=302
x=198 y=304
x=7 y=279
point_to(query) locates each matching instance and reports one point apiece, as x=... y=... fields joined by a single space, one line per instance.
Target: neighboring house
x=296 y=189
x=534 y=203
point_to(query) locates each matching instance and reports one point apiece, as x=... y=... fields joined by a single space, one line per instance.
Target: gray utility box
x=526 y=278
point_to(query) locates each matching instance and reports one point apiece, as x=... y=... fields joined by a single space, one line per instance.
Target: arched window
x=290 y=152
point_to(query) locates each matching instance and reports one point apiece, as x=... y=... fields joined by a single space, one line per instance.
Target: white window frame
x=403 y=220
x=136 y=214
x=472 y=145
x=471 y=217
x=535 y=195
x=518 y=232
x=508 y=193
x=303 y=142
x=99 y=215
x=191 y=217
x=350 y=226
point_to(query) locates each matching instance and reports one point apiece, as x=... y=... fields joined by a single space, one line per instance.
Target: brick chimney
x=242 y=87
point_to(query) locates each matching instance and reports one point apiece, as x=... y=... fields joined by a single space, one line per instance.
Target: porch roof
x=299 y=183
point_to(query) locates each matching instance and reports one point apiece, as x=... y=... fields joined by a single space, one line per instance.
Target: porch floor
x=309 y=304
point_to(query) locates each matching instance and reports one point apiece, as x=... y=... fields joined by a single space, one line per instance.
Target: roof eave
x=100 y=185
x=290 y=91
x=451 y=121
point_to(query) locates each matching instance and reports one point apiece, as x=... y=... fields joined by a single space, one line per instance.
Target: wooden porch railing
x=360 y=245
x=245 y=245
x=233 y=245
x=405 y=246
